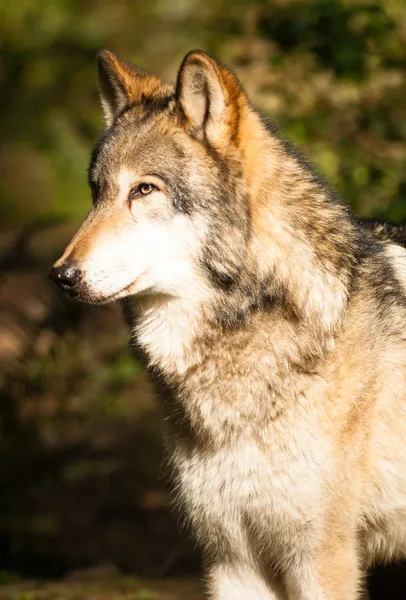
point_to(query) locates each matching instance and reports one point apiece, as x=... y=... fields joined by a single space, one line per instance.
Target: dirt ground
x=93 y=586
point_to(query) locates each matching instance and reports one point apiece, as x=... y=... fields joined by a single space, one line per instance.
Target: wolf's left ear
x=122 y=85
x=210 y=97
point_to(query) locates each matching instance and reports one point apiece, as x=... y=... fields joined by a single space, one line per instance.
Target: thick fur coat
x=272 y=324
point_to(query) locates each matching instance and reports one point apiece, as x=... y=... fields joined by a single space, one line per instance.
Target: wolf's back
x=386 y=231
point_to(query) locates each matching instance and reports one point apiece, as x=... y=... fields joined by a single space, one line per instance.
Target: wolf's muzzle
x=66 y=276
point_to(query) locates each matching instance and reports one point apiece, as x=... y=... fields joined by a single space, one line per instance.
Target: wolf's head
x=167 y=185
x=194 y=196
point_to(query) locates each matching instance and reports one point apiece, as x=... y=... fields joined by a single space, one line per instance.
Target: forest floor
x=102 y=587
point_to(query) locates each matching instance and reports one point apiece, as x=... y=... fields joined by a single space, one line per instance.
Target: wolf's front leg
x=233 y=581
x=330 y=573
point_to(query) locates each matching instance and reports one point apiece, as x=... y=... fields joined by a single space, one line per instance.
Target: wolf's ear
x=210 y=97
x=122 y=85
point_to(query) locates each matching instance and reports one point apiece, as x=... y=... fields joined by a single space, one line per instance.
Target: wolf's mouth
x=87 y=295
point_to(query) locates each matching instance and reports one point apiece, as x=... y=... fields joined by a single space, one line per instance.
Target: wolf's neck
x=165 y=330
x=218 y=384
x=178 y=336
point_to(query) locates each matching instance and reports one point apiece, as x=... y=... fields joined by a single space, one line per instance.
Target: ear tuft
x=210 y=97
x=122 y=85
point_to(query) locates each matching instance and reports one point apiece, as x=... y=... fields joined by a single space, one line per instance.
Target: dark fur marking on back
x=386 y=230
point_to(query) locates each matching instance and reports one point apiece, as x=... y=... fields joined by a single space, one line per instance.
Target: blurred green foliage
x=331 y=72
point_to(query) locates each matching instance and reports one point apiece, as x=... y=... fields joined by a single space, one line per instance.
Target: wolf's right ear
x=210 y=97
x=122 y=85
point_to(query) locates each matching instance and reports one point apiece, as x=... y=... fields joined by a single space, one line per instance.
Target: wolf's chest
x=233 y=492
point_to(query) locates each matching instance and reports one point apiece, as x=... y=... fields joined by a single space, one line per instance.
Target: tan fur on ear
x=123 y=85
x=211 y=98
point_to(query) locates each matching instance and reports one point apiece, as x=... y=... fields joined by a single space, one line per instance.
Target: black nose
x=66 y=276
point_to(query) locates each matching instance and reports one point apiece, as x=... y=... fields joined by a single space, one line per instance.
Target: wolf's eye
x=146 y=188
x=141 y=190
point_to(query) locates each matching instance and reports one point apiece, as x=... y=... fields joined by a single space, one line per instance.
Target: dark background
x=80 y=437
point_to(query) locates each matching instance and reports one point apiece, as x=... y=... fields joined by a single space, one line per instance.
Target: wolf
x=271 y=323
